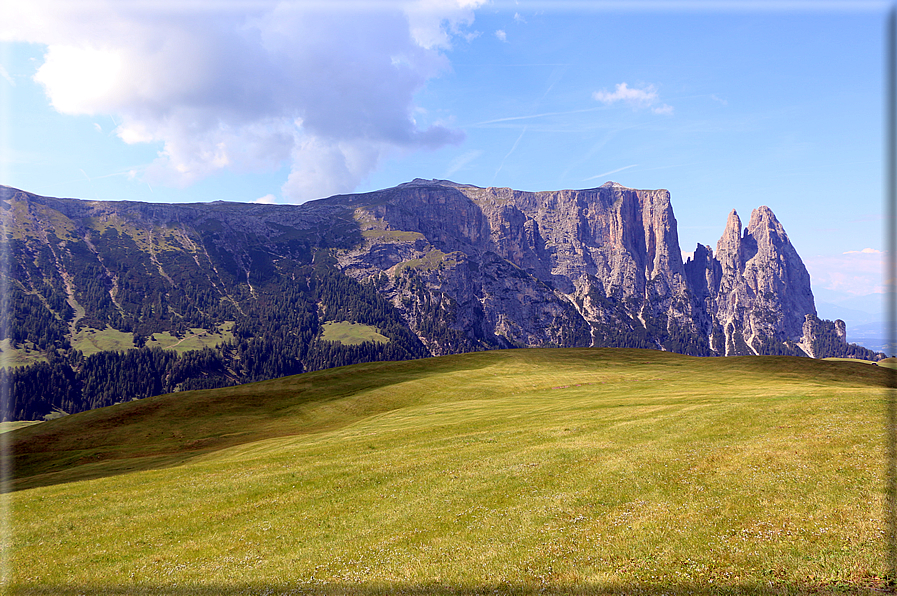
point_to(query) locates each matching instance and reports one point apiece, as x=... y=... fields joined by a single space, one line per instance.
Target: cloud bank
x=249 y=86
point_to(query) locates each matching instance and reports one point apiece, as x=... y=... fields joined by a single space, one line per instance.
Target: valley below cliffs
x=425 y=268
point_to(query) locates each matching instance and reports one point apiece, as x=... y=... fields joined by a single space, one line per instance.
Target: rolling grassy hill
x=522 y=471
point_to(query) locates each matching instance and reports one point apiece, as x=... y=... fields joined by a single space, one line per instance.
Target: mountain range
x=97 y=291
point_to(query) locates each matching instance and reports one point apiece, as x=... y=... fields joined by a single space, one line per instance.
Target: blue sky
x=725 y=104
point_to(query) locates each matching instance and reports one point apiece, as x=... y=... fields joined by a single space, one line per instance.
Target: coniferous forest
x=281 y=338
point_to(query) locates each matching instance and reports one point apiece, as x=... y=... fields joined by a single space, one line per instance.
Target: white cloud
x=636 y=98
x=519 y=18
x=268 y=199
x=501 y=35
x=322 y=168
x=81 y=80
x=855 y=272
x=434 y=22
x=640 y=97
x=249 y=85
x=865 y=251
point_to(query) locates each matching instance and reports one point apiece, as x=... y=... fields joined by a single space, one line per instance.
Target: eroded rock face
x=576 y=268
x=755 y=292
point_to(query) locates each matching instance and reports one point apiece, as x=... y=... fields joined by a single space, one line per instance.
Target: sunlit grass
x=580 y=471
x=9 y=425
x=196 y=339
x=26 y=355
x=90 y=340
x=351 y=334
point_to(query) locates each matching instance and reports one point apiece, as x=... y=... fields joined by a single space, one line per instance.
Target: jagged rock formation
x=755 y=292
x=457 y=267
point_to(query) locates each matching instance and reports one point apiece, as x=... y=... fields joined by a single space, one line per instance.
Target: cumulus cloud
x=249 y=86
x=268 y=199
x=435 y=22
x=501 y=35
x=865 y=251
x=636 y=98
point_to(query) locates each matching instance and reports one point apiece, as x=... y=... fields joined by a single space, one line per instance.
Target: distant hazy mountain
x=865 y=317
x=425 y=268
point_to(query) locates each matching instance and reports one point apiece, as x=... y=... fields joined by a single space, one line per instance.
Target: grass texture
x=90 y=340
x=574 y=471
x=351 y=334
x=11 y=357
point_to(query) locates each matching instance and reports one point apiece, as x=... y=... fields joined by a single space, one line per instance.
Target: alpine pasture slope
x=522 y=471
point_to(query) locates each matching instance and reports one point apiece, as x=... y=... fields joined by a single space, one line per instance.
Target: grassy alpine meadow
x=573 y=471
x=351 y=334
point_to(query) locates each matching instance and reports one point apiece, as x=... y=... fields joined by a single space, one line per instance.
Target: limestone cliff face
x=591 y=267
x=755 y=292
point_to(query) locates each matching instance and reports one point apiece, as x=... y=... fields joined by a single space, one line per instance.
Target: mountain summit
x=429 y=267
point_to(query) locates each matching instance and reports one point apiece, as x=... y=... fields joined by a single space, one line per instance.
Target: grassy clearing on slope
x=563 y=471
x=197 y=339
x=90 y=340
x=351 y=334
x=380 y=235
x=435 y=259
x=11 y=357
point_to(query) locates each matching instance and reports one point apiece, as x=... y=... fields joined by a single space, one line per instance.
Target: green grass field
x=11 y=357
x=90 y=340
x=590 y=471
x=197 y=339
x=7 y=426
x=351 y=334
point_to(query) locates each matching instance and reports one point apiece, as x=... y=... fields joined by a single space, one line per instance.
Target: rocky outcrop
x=754 y=293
